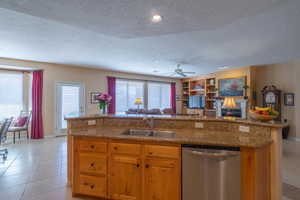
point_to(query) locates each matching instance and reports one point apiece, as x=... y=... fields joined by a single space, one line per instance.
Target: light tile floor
x=36 y=170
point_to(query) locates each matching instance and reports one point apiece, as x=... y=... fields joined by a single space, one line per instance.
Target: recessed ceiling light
x=156 y=18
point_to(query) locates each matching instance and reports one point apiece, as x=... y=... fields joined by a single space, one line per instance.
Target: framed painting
x=232 y=87
x=93 y=97
x=289 y=99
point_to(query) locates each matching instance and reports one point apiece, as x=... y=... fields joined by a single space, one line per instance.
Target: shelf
x=210 y=85
x=210 y=100
x=197 y=90
x=210 y=110
x=211 y=92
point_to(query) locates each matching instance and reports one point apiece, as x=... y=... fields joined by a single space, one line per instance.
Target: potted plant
x=104 y=100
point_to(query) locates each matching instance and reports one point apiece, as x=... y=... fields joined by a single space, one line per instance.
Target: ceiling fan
x=179 y=71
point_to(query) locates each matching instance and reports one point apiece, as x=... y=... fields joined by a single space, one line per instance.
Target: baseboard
x=294 y=139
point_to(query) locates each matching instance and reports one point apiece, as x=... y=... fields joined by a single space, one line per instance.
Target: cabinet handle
x=150 y=153
x=147 y=166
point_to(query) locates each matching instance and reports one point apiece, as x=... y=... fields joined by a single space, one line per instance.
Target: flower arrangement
x=104 y=100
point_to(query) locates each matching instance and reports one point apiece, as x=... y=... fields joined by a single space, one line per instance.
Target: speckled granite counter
x=178 y=117
x=191 y=136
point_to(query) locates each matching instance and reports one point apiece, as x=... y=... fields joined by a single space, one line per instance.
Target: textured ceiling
x=130 y=18
x=119 y=35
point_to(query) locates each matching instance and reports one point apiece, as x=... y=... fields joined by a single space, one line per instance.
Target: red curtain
x=173 y=97
x=111 y=82
x=37 y=130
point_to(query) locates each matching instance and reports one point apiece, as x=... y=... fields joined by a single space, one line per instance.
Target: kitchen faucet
x=150 y=121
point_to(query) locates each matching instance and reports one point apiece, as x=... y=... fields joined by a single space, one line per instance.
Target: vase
x=103 y=109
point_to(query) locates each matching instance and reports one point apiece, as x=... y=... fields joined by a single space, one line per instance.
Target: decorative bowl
x=261 y=117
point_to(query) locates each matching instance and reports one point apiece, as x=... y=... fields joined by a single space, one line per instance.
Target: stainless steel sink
x=148 y=133
x=137 y=132
x=167 y=134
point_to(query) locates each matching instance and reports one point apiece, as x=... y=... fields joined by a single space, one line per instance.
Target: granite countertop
x=180 y=117
x=186 y=136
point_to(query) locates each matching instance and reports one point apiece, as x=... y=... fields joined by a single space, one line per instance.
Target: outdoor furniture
x=3 y=135
x=144 y=111
x=19 y=128
x=168 y=111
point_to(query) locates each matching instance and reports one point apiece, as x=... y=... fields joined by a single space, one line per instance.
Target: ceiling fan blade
x=173 y=74
x=181 y=74
x=189 y=72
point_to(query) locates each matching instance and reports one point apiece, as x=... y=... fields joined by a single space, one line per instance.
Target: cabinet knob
x=147 y=166
x=92 y=146
x=92 y=164
x=92 y=186
x=115 y=148
x=138 y=165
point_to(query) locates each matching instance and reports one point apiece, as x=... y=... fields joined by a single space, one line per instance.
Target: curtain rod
x=144 y=80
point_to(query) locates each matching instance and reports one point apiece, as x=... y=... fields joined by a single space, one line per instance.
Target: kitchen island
x=100 y=146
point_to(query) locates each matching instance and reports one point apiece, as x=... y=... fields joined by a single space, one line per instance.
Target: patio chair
x=3 y=135
x=22 y=125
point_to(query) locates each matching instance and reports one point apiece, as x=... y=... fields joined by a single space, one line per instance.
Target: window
x=153 y=94
x=126 y=93
x=159 y=95
x=11 y=94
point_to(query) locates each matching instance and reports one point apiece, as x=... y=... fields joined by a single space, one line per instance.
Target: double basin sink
x=149 y=133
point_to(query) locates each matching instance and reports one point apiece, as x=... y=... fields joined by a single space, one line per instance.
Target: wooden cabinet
x=162 y=180
x=125 y=171
x=89 y=167
x=125 y=178
x=162 y=173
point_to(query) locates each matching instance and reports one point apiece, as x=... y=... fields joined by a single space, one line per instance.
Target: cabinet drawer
x=123 y=148
x=92 y=146
x=162 y=151
x=93 y=164
x=94 y=186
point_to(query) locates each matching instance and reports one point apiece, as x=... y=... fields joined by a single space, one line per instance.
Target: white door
x=69 y=101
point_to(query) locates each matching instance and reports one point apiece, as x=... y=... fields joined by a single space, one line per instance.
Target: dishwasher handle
x=213 y=154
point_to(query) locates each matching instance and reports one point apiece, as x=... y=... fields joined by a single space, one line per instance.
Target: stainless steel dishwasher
x=210 y=173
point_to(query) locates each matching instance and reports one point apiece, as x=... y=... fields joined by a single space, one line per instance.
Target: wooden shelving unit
x=205 y=87
x=185 y=96
x=210 y=97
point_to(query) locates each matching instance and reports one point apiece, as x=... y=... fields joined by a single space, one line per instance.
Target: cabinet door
x=162 y=180
x=125 y=178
